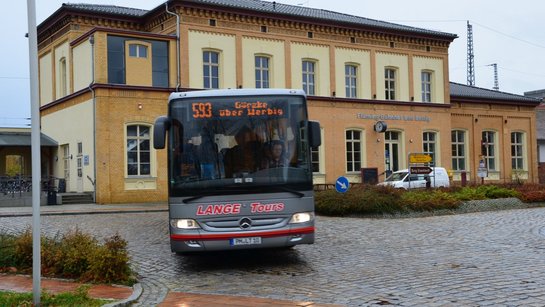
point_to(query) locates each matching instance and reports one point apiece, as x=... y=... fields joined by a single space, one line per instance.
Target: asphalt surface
x=477 y=259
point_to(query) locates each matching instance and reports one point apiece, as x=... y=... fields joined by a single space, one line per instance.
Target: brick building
x=106 y=73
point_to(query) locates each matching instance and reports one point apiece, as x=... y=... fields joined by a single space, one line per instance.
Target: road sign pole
x=35 y=145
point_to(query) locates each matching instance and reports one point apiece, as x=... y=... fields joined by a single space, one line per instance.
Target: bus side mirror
x=314 y=136
x=162 y=124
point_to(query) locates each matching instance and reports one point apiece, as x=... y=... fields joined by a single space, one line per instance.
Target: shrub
x=533 y=196
x=109 y=262
x=7 y=251
x=428 y=200
x=74 y=255
x=362 y=199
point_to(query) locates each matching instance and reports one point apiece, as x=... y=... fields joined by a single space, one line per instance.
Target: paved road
x=478 y=259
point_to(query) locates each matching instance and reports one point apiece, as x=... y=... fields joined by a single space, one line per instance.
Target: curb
x=53 y=213
x=137 y=292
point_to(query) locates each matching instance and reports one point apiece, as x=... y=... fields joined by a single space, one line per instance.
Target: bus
x=239 y=169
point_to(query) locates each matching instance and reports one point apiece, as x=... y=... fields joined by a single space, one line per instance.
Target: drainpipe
x=177 y=46
x=92 y=42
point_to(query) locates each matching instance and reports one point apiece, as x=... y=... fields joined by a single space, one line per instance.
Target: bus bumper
x=206 y=241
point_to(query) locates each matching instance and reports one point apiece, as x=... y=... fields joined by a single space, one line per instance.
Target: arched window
x=309 y=77
x=489 y=149
x=458 y=146
x=353 y=150
x=138 y=150
x=429 y=144
x=517 y=151
x=63 y=86
x=262 y=71
x=211 y=70
x=426 y=76
x=351 y=80
x=389 y=83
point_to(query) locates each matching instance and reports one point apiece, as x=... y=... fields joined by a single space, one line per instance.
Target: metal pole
x=35 y=143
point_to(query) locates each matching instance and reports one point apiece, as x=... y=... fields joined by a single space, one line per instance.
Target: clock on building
x=380 y=126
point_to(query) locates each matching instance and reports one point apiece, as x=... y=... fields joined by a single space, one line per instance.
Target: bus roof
x=237 y=92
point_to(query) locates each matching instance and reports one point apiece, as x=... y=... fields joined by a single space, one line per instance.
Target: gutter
x=177 y=46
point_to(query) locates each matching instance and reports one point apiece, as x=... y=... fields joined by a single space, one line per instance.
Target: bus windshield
x=242 y=144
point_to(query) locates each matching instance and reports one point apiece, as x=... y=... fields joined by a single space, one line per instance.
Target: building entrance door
x=391 y=151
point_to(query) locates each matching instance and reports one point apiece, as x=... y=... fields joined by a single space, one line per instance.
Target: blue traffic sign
x=342 y=184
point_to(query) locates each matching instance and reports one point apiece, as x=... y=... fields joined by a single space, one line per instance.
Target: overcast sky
x=504 y=32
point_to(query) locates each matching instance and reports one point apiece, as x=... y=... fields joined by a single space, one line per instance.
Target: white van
x=402 y=179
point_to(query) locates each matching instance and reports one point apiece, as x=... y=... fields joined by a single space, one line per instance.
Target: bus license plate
x=245 y=241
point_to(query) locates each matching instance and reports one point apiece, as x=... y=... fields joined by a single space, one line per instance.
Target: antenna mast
x=470 y=56
x=496 y=83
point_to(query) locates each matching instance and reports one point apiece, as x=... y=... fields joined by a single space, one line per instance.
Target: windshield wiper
x=297 y=193
x=215 y=192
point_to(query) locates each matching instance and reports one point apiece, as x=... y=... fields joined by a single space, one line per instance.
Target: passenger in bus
x=243 y=157
x=275 y=156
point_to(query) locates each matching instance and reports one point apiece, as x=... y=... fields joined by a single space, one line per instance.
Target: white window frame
x=429 y=146
x=209 y=65
x=490 y=155
x=262 y=73
x=309 y=76
x=426 y=82
x=351 y=154
x=390 y=83
x=138 y=51
x=139 y=152
x=518 y=150
x=456 y=145
x=351 y=80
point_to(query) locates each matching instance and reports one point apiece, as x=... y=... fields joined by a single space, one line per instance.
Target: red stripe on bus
x=263 y=234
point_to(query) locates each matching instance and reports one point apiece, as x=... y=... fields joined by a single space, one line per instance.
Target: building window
x=353 y=150
x=309 y=75
x=489 y=149
x=117 y=66
x=390 y=84
x=429 y=143
x=66 y=161
x=63 y=77
x=211 y=68
x=315 y=159
x=458 y=150
x=517 y=151
x=138 y=51
x=261 y=72
x=138 y=150
x=426 y=86
x=350 y=77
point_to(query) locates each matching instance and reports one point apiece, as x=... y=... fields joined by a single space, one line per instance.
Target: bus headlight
x=302 y=217
x=184 y=224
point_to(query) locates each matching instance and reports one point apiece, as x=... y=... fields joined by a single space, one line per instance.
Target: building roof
x=299 y=12
x=8 y=139
x=105 y=9
x=458 y=90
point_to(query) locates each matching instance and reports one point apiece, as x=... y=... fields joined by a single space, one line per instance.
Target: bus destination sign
x=203 y=110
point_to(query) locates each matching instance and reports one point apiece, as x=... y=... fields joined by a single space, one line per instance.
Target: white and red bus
x=239 y=169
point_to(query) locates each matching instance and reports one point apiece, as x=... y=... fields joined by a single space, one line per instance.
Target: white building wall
x=434 y=65
x=274 y=50
x=222 y=43
x=70 y=126
x=82 y=65
x=318 y=53
x=46 y=79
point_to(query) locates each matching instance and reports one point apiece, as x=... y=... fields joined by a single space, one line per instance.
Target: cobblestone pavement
x=477 y=259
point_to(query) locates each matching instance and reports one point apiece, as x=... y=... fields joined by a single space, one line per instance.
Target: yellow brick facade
x=238 y=37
